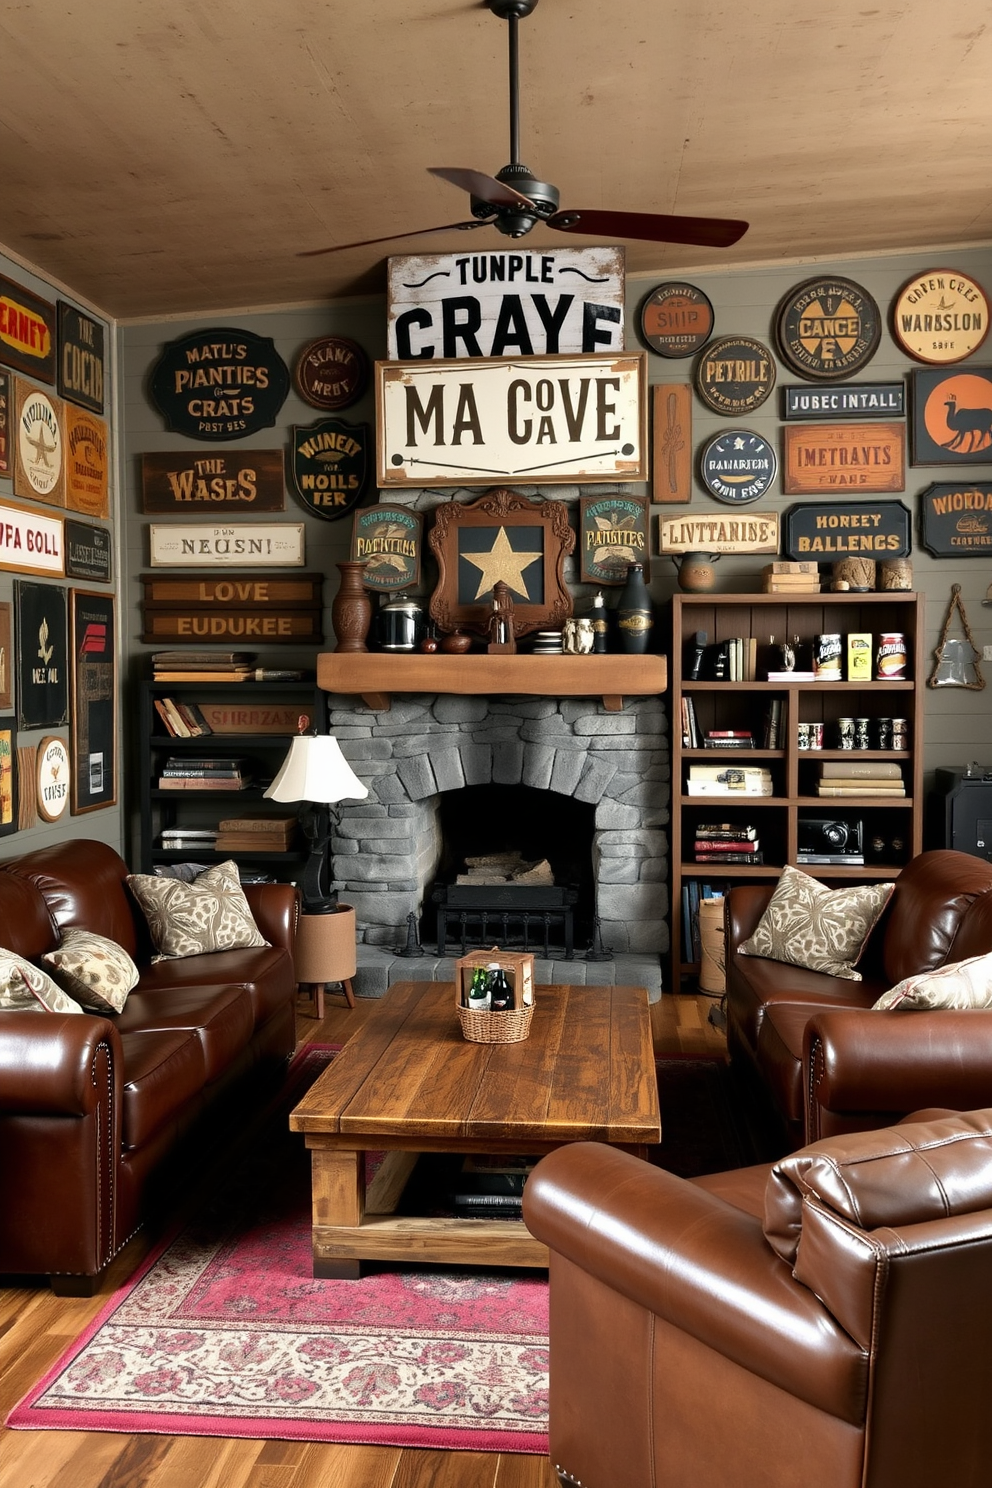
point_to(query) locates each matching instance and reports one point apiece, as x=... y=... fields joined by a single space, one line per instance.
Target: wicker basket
x=486 y=1026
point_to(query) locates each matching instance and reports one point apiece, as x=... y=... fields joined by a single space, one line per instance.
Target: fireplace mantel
x=375 y=675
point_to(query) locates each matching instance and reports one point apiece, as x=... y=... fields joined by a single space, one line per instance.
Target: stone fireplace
x=386 y=850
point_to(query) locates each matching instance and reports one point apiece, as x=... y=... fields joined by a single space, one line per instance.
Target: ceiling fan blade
x=477 y=183
x=418 y=232
x=704 y=232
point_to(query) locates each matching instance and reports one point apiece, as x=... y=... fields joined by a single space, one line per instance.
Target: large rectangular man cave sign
x=512 y=303
x=512 y=420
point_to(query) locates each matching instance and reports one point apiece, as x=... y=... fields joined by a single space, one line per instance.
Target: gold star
x=502 y=562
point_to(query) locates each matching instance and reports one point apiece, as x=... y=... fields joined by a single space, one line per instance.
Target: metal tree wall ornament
x=956 y=659
x=514 y=201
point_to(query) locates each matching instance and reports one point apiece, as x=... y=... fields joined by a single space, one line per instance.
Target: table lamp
x=316 y=773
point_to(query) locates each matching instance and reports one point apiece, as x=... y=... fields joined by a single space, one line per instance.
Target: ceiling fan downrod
x=515 y=222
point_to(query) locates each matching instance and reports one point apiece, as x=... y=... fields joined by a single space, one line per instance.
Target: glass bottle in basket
x=500 y=992
x=478 y=992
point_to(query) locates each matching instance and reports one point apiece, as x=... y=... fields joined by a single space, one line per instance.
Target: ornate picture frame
x=501 y=536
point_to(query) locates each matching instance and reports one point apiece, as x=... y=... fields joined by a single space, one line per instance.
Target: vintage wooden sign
x=671 y=442
x=389 y=541
x=331 y=373
x=676 y=319
x=256 y=718
x=219 y=383
x=869 y=529
x=956 y=519
x=30 y=543
x=940 y=316
x=734 y=375
x=330 y=463
x=952 y=417
x=757 y=532
x=613 y=533
x=27 y=331
x=42 y=655
x=213 y=626
x=88 y=552
x=5 y=420
x=244 y=590
x=527 y=420
x=52 y=779
x=828 y=328
x=81 y=359
x=845 y=401
x=239 y=606
x=39 y=446
x=177 y=482
x=843 y=457
x=738 y=467
x=86 y=456
x=512 y=303
x=258 y=545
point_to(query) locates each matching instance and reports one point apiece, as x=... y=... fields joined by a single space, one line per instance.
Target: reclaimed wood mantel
x=375 y=675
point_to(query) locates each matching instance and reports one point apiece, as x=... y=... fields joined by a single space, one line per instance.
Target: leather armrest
x=276 y=909
x=861 y=1061
x=699 y=1263
x=47 y=1062
x=745 y=904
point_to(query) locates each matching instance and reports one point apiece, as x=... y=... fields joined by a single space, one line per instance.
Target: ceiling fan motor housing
x=516 y=220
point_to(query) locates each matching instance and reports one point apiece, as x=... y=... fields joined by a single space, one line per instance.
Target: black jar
x=635 y=615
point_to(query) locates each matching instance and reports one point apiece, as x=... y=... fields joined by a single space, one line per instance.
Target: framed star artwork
x=501 y=536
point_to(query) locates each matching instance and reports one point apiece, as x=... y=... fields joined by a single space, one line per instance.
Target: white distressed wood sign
x=505 y=303
x=512 y=420
x=248 y=545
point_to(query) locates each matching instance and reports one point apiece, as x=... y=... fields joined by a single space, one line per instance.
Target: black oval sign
x=734 y=375
x=738 y=467
x=220 y=384
x=828 y=328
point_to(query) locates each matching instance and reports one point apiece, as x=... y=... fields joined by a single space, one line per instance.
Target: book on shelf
x=791 y=566
x=198 y=772
x=731 y=859
x=746 y=742
x=717 y=849
x=204 y=761
x=790 y=584
x=690 y=727
x=726 y=832
x=791 y=676
x=839 y=860
x=719 y=788
x=885 y=789
x=859 y=769
x=723 y=779
x=195 y=676
x=257 y=822
x=250 y=842
x=166 y=782
x=195 y=657
x=773 y=724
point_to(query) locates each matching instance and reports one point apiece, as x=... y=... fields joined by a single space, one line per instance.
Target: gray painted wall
x=745 y=300
x=106 y=824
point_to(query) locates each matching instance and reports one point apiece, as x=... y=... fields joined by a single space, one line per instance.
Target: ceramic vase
x=351 y=612
x=695 y=572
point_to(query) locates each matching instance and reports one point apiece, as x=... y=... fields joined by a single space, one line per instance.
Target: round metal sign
x=39 y=444
x=53 y=778
x=676 y=320
x=331 y=372
x=738 y=467
x=828 y=328
x=940 y=316
x=734 y=375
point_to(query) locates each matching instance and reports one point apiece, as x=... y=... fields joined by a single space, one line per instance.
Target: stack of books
x=491 y=1187
x=182 y=839
x=882 y=778
x=690 y=727
x=181 y=720
x=727 y=842
x=203 y=666
x=783 y=577
x=256 y=833
x=728 y=739
x=729 y=780
x=187 y=772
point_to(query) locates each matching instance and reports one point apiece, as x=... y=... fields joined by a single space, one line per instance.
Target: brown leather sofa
x=95 y=1111
x=828 y=1063
x=824 y=1323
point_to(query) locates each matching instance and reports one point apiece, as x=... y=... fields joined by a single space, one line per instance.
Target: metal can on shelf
x=845 y=733
x=861 y=733
x=826 y=658
x=890 y=663
x=884 y=732
x=802 y=736
x=815 y=735
x=900 y=733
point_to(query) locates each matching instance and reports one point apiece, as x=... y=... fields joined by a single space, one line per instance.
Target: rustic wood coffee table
x=408 y=1083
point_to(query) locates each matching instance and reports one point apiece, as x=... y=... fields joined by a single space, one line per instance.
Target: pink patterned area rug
x=225 y=1332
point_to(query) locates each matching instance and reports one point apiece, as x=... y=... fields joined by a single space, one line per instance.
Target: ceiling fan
x=514 y=202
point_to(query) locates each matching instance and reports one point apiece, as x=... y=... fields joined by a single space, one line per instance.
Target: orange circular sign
x=957 y=414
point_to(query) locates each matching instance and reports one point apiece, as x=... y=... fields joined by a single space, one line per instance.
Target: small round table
x=326 y=953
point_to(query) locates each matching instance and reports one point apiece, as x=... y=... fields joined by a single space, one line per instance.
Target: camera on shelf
x=821 y=836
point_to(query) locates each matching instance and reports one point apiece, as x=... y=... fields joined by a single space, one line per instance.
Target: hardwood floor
x=35 y=1326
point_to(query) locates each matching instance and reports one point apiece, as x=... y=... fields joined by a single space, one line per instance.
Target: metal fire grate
x=533 y=918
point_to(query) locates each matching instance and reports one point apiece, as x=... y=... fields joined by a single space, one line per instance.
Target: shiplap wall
x=106 y=825
x=959 y=722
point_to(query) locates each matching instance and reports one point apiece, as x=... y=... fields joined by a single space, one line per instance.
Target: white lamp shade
x=316 y=770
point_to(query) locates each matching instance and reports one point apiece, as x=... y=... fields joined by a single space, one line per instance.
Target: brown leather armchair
x=823 y=1323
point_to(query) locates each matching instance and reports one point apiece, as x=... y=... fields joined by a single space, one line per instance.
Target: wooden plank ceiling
x=170 y=156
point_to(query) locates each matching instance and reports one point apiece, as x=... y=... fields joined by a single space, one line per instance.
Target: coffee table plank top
x=586 y=1072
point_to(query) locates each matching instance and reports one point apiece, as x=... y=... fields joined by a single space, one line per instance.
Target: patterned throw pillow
x=960 y=984
x=807 y=924
x=25 y=988
x=210 y=914
x=96 y=971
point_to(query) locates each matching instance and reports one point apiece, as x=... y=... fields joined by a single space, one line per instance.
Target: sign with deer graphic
x=952 y=417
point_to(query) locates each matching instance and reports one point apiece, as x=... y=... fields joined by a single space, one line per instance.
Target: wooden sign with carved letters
x=238 y=607
x=187 y=483
x=841 y=458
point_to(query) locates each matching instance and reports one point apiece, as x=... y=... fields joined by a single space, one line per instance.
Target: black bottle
x=500 y=995
x=635 y=616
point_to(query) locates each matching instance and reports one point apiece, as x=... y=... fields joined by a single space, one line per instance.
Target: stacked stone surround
x=385 y=850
